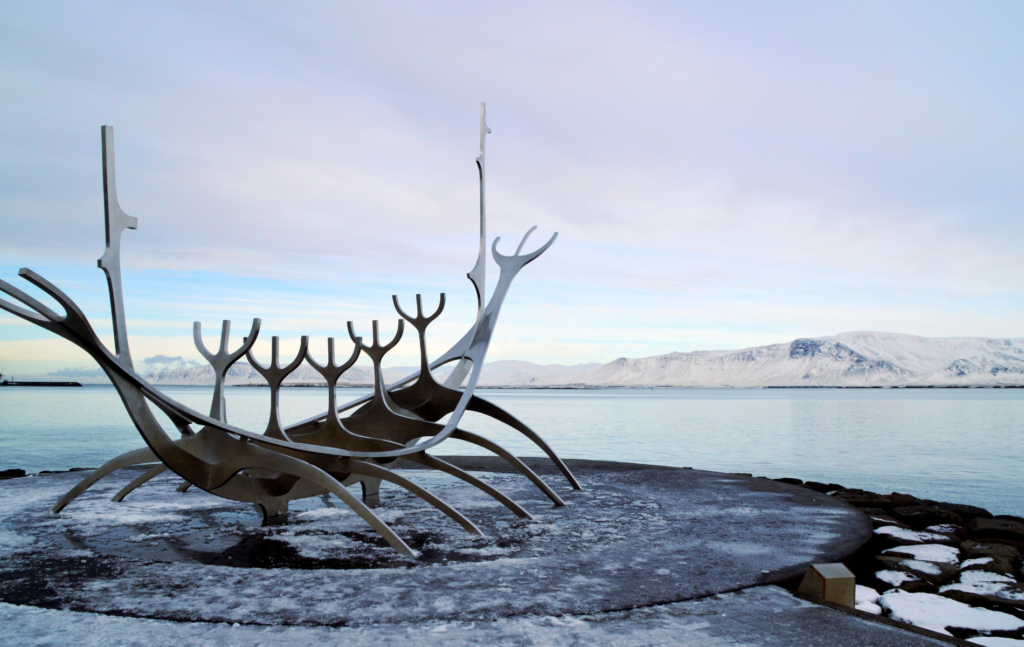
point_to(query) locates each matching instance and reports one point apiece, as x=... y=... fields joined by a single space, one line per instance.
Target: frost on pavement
x=630 y=538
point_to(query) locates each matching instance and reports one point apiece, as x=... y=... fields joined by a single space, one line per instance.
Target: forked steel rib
x=275 y=375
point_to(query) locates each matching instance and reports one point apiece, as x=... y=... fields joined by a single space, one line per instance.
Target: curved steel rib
x=302 y=469
x=375 y=471
x=494 y=447
x=146 y=476
x=424 y=458
x=143 y=455
x=479 y=405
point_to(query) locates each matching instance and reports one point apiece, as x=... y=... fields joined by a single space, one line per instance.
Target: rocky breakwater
x=948 y=567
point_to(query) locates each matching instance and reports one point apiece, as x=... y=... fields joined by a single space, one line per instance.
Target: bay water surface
x=959 y=445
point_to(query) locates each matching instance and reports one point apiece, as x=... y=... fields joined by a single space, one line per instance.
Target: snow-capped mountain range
x=503 y=373
x=847 y=359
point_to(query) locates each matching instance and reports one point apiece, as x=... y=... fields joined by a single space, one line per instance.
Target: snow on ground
x=928 y=553
x=985 y=583
x=937 y=613
x=904 y=534
x=762 y=616
x=977 y=561
x=895 y=578
x=867 y=600
x=928 y=568
x=11 y=542
x=196 y=557
x=994 y=641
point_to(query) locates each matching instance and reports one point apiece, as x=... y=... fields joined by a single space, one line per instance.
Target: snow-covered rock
x=896 y=578
x=927 y=553
x=910 y=536
x=937 y=613
x=985 y=583
x=867 y=600
x=996 y=641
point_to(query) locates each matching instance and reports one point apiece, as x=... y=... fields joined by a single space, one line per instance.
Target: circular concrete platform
x=635 y=536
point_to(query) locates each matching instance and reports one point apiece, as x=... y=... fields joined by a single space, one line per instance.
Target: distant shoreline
x=589 y=387
x=6 y=383
x=570 y=387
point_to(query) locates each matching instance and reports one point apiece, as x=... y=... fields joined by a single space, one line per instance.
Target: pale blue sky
x=721 y=175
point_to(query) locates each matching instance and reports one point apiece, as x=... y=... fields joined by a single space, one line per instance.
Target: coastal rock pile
x=948 y=567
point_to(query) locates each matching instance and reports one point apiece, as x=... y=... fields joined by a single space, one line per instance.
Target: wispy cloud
x=719 y=174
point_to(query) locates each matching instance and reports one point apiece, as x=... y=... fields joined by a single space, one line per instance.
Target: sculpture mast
x=116 y=221
x=478 y=274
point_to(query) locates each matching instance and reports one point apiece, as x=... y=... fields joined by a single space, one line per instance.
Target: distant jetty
x=10 y=383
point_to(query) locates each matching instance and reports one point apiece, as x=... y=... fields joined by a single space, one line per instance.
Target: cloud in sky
x=721 y=174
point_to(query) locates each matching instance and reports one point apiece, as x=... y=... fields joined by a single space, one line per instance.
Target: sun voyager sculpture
x=323 y=454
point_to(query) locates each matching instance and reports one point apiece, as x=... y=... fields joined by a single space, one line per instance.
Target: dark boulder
x=920 y=517
x=989 y=549
x=864 y=499
x=880 y=520
x=789 y=481
x=996 y=529
x=890 y=562
x=918 y=586
x=874 y=512
x=960 y=533
x=1000 y=565
x=824 y=488
x=902 y=500
x=11 y=474
x=965 y=512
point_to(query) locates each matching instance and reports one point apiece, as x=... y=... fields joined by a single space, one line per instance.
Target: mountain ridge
x=862 y=358
x=851 y=359
x=498 y=373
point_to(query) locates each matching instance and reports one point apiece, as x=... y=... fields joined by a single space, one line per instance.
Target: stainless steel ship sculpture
x=325 y=453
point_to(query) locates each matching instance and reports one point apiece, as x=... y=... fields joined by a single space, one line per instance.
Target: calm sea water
x=952 y=445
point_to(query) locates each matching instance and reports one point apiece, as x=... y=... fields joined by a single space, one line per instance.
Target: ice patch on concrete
x=761 y=616
x=321 y=513
x=12 y=542
x=630 y=539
